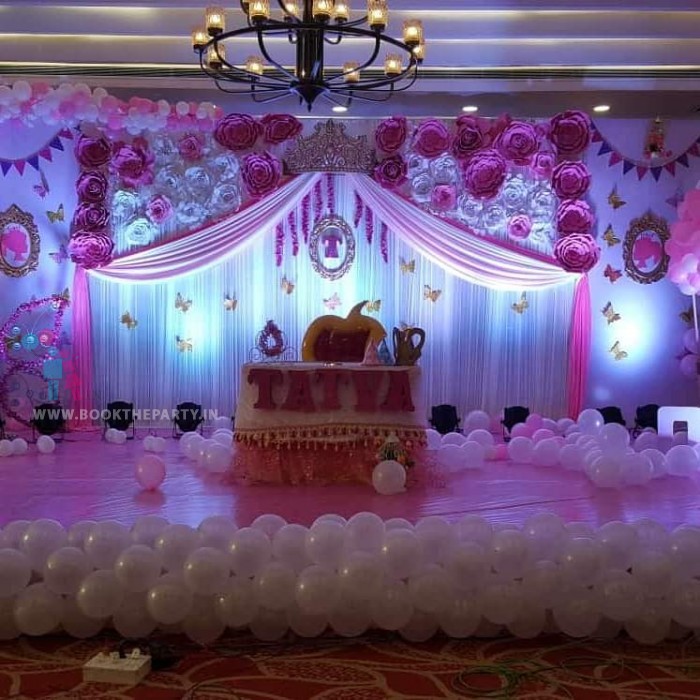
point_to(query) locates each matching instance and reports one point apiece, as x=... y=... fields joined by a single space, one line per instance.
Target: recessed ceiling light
x=470 y=109
x=339 y=109
x=601 y=108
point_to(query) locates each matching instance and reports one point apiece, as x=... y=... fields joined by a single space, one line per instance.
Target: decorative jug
x=408 y=344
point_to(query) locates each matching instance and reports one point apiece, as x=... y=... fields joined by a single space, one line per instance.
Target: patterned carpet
x=373 y=667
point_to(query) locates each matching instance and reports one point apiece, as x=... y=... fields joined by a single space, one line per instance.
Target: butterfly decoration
x=183 y=345
x=609 y=237
x=58 y=215
x=230 y=303
x=614 y=199
x=287 y=286
x=520 y=306
x=59 y=256
x=373 y=306
x=688 y=316
x=129 y=321
x=610 y=313
x=182 y=304
x=42 y=189
x=675 y=199
x=612 y=274
x=332 y=303
x=617 y=352
x=431 y=294
x=64 y=296
x=407 y=266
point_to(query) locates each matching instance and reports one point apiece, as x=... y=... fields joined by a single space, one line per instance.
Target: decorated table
x=300 y=422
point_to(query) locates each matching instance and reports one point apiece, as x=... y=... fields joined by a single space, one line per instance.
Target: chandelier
x=311 y=26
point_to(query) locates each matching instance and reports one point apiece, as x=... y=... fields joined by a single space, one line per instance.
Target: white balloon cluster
x=351 y=575
x=152 y=443
x=115 y=437
x=18 y=446
x=213 y=454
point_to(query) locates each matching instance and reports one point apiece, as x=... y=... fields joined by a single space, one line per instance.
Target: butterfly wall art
x=431 y=294
x=609 y=237
x=614 y=199
x=333 y=302
x=520 y=306
x=58 y=215
x=373 y=306
x=128 y=321
x=230 y=303
x=407 y=266
x=42 y=189
x=287 y=286
x=610 y=313
x=61 y=255
x=687 y=316
x=612 y=274
x=617 y=352
x=182 y=304
x=183 y=345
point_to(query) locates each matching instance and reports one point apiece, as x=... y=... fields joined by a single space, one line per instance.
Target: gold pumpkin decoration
x=336 y=339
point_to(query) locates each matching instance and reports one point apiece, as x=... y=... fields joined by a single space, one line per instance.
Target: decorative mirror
x=19 y=242
x=644 y=252
x=332 y=247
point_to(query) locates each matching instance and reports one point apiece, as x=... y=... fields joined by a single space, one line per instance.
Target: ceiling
x=527 y=58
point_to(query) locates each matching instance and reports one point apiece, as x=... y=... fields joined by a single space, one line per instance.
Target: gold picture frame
x=645 y=240
x=18 y=235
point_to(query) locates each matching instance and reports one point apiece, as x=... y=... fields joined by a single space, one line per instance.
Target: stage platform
x=87 y=478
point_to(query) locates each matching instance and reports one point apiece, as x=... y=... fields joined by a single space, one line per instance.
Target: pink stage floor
x=86 y=478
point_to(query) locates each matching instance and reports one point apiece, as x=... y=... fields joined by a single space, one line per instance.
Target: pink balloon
x=534 y=420
x=689 y=365
x=501 y=452
x=150 y=472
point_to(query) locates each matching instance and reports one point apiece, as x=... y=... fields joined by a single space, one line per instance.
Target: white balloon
x=482 y=436
x=37 y=610
x=65 y=570
x=206 y=571
x=433 y=438
x=15 y=572
x=389 y=478
x=6 y=448
x=520 y=450
x=137 y=568
x=19 y=446
x=45 y=444
x=100 y=594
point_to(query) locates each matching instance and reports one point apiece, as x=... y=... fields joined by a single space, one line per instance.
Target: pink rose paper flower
x=484 y=174
x=570 y=132
x=391 y=134
x=91 y=186
x=92 y=152
x=519 y=227
x=91 y=216
x=431 y=138
x=518 y=142
x=472 y=135
x=261 y=173
x=133 y=163
x=191 y=147
x=570 y=180
x=90 y=250
x=543 y=163
x=159 y=209
x=237 y=132
x=444 y=198
x=278 y=128
x=577 y=252
x=574 y=216
x=391 y=172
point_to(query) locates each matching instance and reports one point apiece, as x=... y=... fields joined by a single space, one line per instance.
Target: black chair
x=646 y=416
x=119 y=416
x=444 y=419
x=187 y=418
x=2 y=428
x=512 y=415
x=48 y=419
x=612 y=414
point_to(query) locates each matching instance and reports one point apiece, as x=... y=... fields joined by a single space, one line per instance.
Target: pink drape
x=82 y=349
x=579 y=347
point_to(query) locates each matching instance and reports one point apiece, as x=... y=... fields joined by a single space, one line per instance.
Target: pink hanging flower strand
x=384 y=242
x=306 y=216
x=292 y=224
x=330 y=192
x=279 y=243
x=369 y=225
x=359 y=210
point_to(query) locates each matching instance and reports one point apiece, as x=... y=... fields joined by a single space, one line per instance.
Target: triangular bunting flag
x=642 y=170
x=615 y=158
x=605 y=147
x=597 y=136
x=671 y=167
x=5 y=165
x=45 y=153
x=683 y=160
x=56 y=143
x=65 y=133
x=19 y=166
x=656 y=173
x=694 y=150
x=34 y=161
x=627 y=166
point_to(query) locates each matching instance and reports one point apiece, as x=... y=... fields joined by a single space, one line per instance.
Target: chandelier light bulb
x=291 y=8
x=322 y=10
x=215 y=20
x=392 y=64
x=200 y=39
x=254 y=64
x=413 y=32
x=342 y=11
x=351 y=72
x=419 y=52
x=259 y=10
x=216 y=55
x=377 y=14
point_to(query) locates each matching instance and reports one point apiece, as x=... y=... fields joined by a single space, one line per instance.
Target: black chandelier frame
x=309 y=80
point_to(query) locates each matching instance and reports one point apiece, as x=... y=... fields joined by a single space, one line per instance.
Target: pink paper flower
x=92 y=152
x=391 y=172
x=190 y=147
x=133 y=162
x=90 y=249
x=278 y=128
x=443 y=198
x=91 y=216
x=261 y=173
x=574 y=216
x=159 y=209
x=518 y=142
x=431 y=138
x=577 y=252
x=391 y=134
x=237 y=132
x=570 y=180
x=91 y=186
x=472 y=135
x=570 y=132
x=519 y=227
x=543 y=163
x=484 y=174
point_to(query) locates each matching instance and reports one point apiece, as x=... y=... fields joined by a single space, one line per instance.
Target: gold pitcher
x=407 y=350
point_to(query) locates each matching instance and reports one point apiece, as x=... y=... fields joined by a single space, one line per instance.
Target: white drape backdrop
x=479 y=352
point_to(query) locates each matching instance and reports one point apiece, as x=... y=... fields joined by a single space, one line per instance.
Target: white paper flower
x=444 y=170
x=422 y=187
x=470 y=209
x=140 y=232
x=494 y=219
x=169 y=180
x=198 y=181
x=226 y=198
x=190 y=213
x=416 y=165
x=514 y=194
x=125 y=204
